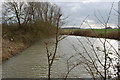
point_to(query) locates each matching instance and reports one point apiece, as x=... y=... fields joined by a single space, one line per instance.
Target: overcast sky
x=78 y=11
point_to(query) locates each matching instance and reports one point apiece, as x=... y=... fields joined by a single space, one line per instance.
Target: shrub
x=113 y=35
x=83 y=33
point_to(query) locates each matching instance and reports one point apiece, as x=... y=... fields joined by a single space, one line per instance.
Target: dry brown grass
x=113 y=35
x=10 y=49
x=83 y=33
x=90 y=33
x=17 y=39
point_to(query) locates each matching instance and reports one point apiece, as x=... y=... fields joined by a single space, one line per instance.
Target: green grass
x=102 y=31
x=98 y=31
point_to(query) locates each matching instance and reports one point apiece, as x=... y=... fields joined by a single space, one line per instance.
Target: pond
x=32 y=62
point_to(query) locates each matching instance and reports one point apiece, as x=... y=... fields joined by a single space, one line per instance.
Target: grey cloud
x=78 y=11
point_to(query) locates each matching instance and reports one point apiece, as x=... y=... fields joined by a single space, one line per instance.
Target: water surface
x=32 y=62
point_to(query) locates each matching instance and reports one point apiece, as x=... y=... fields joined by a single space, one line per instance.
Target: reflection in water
x=83 y=46
x=32 y=63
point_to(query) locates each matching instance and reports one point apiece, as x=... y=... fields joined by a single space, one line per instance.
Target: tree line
x=21 y=13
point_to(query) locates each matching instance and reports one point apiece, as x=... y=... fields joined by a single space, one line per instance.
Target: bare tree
x=51 y=56
x=91 y=62
x=13 y=12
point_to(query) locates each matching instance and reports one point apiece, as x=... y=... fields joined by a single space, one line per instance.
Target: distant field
x=98 y=31
x=102 y=31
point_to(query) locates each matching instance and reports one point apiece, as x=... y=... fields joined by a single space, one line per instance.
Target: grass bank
x=15 y=40
x=97 y=33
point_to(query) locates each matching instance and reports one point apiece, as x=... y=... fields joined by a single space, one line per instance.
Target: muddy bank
x=15 y=39
x=10 y=49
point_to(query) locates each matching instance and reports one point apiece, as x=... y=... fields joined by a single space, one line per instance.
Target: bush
x=28 y=33
x=113 y=35
x=83 y=33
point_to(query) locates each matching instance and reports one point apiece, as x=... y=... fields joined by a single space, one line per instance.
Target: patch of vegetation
x=28 y=34
x=24 y=25
x=17 y=39
x=100 y=33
